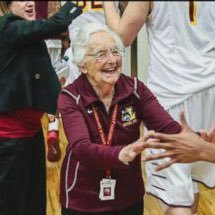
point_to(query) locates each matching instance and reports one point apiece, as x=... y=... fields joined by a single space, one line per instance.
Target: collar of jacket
x=124 y=87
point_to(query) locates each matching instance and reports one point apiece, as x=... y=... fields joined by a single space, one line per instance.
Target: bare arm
x=130 y=23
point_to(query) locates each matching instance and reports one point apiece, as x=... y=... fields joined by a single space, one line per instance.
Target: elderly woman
x=101 y=112
x=28 y=87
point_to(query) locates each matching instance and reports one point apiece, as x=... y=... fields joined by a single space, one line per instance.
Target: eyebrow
x=98 y=50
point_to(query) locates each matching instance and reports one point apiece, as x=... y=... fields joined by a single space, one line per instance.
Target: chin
x=111 y=81
x=31 y=18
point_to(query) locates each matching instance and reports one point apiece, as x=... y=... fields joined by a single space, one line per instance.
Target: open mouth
x=29 y=12
x=110 y=71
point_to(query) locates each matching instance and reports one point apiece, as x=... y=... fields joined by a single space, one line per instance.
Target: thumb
x=183 y=122
x=212 y=135
x=204 y=135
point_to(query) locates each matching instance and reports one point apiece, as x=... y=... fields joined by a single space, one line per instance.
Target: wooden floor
x=207 y=197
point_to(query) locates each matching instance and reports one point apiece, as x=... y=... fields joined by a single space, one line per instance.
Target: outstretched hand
x=184 y=147
x=129 y=152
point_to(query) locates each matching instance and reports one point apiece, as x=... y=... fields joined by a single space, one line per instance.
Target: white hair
x=81 y=41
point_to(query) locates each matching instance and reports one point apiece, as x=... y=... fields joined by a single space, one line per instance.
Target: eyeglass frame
x=108 y=52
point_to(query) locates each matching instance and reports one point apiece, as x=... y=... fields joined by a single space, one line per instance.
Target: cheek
x=93 y=72
x=19 y=12
x=96 y=74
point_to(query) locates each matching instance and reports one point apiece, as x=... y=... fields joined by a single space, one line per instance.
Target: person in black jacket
x=29 y=87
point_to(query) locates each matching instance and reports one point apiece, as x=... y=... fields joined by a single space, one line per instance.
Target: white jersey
x=54 y=47
x=73 y=69
x=182 y=49
x=92 y=12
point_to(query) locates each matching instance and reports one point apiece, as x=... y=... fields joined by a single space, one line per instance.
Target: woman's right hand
x=129 y=152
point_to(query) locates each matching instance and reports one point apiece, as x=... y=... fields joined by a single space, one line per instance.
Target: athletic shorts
x=174 y=185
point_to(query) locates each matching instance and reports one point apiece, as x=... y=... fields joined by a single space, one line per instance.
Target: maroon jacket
x=87 y=159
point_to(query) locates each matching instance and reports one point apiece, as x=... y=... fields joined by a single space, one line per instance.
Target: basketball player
x=181 y=75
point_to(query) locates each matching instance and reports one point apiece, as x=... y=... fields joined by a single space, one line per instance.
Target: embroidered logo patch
x=128 y=116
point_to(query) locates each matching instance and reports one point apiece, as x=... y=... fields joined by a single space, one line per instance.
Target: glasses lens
x=115 y=51
x=104 y=54
x=100 y=55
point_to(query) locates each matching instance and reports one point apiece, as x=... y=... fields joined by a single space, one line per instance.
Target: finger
x=137 y=147
x=156 y=156
x=212 y=131
x=159 y=145
x=142 y=139
x=165 y=165
x=126 y=163
x=162 y=137
x=204 y=135
x=148 y=134
x=183 y=121
x=212 y=135
x=153 y=141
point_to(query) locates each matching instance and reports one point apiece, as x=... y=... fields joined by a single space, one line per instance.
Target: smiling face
x=24 y=9
x=102 y=71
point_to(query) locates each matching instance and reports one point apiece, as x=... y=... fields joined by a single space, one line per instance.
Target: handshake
x=184 y=147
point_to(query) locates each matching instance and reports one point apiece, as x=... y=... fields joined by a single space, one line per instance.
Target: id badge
x=107 y=189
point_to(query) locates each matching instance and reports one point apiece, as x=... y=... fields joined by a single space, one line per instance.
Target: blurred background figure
x=56 y=48
x=29 y=88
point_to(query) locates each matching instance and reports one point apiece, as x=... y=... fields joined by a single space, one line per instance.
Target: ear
x=82 y=68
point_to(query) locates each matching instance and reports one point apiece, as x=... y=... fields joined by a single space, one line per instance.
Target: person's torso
x=28 y=79
x=87 y=182
x=182 y=49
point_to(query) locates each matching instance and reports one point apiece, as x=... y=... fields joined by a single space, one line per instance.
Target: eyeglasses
x=104 y=54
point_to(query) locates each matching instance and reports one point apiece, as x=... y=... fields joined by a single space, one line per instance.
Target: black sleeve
x=19 y=31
